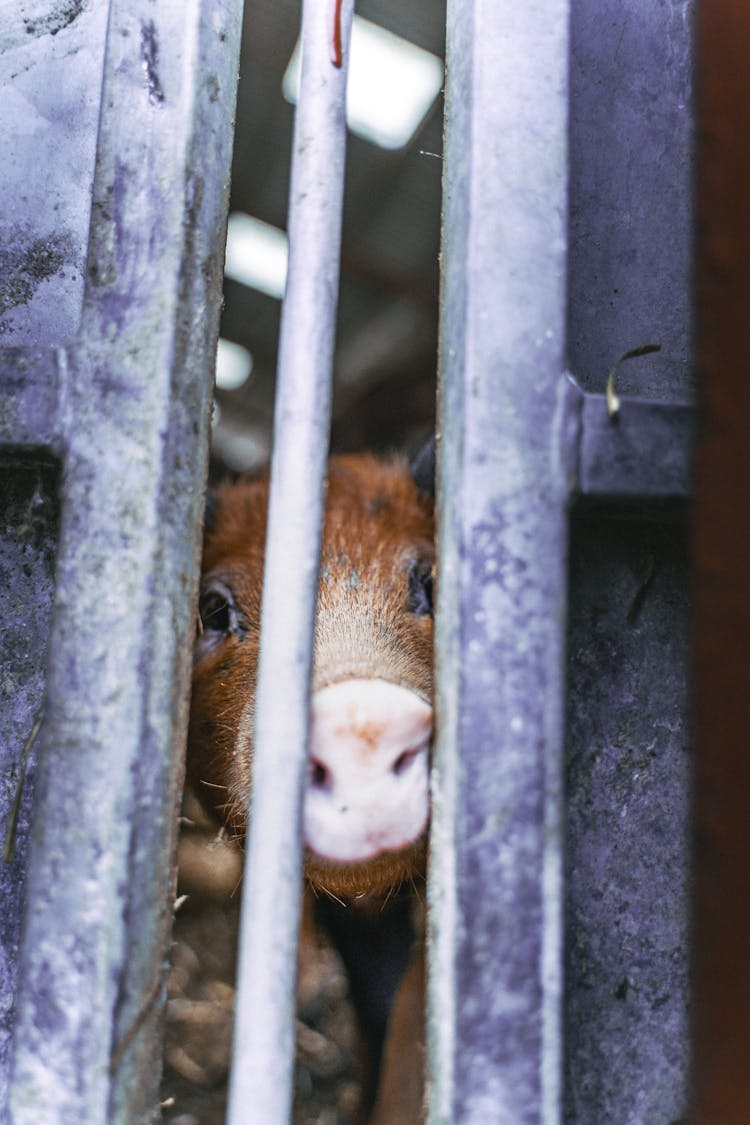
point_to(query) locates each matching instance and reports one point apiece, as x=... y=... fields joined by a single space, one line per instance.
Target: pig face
x=366 y=805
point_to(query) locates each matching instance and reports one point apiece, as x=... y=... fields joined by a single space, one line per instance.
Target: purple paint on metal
x=626 y=1030
x=51 y=64
x=126 y=406
x=631 y=214
x=496 y=895
x=628 y=800
x=30 y=514
x=30 y=414
x=516 y=439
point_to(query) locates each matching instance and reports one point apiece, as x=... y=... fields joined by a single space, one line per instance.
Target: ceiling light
x=233 y=365
x=392 y=83
x=256 y=254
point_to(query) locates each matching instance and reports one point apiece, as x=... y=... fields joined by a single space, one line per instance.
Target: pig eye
x=217 y=611
x=420 y=588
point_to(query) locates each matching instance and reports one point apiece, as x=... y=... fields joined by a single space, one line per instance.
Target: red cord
x=337 y=52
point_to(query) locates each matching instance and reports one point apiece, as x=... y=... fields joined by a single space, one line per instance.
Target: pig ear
x=423 y=467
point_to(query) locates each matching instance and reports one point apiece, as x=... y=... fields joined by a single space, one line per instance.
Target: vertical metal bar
x=721 y=625
x=133 y=405
x=494 y=1009
x=263 y=1055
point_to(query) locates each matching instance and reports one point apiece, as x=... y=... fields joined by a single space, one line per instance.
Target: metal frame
x=263 y=1056
x=121 y=397
x=721 y=619
x=121 y=401
x=494 y=1016
x=522 y=443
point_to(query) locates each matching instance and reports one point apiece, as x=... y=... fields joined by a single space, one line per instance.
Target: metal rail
x=496 y=866
x=112 y=374
x=262 y=1067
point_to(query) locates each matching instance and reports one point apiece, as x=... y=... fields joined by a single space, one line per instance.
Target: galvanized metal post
x=496 y=890
x=628 y=764
x=261 y=1080
x=123 y=318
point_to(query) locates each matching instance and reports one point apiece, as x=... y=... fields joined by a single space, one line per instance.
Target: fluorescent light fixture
x=256 y=254
x=233 y=365
x=392 y=83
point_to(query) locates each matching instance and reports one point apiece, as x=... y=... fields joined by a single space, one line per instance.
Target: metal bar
x=261 y=1077
x=631 y=217
x=628 y=770
x=496 y=892
x=134 y=405
x=30 y=413
x=645 y=451
x=627 y=775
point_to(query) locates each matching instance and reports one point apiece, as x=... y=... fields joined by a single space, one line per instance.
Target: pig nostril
x=320 y=775
x=403 y=761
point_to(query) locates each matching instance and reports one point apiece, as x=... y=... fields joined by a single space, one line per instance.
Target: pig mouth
x=383 y=869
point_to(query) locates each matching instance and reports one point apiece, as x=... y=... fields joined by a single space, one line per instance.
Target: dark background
x=384 y=396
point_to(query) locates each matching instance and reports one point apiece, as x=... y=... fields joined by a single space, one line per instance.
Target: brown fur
x=377 y=525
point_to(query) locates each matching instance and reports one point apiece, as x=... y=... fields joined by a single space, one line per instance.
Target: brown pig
x=366 y=804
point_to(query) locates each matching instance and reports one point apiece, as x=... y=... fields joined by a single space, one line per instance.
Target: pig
x=366 y=808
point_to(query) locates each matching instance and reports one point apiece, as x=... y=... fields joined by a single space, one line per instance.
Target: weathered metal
x=627 y=1054
x=556 y=258
x=496 y=866
x=117 y=385
x=28 y=539
x=262 y=1068
x=519 y=442
x=642 y=453
x=628 y=815
x=630 y=178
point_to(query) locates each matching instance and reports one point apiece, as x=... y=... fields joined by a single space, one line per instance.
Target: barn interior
x=384 y=373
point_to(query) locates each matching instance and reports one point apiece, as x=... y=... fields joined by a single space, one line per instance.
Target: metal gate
x=559 y=869
x=559 y=897
x=116 y=141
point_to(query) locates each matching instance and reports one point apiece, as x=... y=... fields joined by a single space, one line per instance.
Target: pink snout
x=369 y=770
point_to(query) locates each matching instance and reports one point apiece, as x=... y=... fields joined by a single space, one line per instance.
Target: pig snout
x=369 y=770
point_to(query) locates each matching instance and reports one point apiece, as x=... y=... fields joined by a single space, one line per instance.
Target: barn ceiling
x=387 y=329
